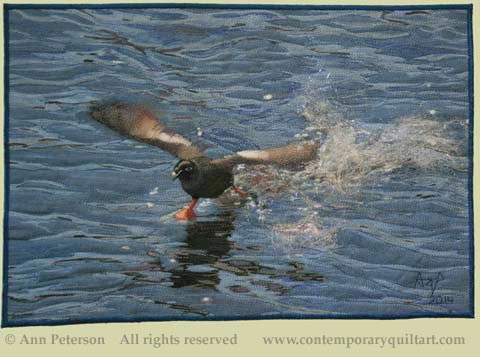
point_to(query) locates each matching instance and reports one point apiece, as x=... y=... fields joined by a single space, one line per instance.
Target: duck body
x=200 y=177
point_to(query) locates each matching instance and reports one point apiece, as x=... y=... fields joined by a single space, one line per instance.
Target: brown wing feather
x=142 y=125
x=289 y=155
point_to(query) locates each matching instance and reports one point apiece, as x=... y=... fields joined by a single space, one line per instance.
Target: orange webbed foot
x=186 y=214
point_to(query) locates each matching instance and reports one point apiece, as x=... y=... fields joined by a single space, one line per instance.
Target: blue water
x=366 y=229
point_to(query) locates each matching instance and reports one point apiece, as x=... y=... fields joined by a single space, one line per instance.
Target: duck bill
x=176 y=174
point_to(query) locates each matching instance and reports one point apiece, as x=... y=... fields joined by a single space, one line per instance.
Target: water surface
x=362 y=231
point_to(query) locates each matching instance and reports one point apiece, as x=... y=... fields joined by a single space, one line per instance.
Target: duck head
x=184 y=170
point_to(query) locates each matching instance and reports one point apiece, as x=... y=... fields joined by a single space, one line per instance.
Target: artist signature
x=428 y=281
x=431 y=282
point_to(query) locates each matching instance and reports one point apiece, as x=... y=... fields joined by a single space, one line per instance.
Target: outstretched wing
x=289 y=155
x=142 y=125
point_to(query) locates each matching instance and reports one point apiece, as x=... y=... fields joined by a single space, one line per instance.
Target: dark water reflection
x=206 y=243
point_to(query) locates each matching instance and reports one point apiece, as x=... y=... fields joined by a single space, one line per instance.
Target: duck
x=200 y=176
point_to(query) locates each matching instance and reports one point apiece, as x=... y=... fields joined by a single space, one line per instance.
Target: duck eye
x=188 y=169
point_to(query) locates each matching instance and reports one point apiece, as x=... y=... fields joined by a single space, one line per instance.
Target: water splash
x=309 y=232
x=351 y=156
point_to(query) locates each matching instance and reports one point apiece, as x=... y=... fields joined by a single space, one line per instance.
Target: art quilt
x=215 y=162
